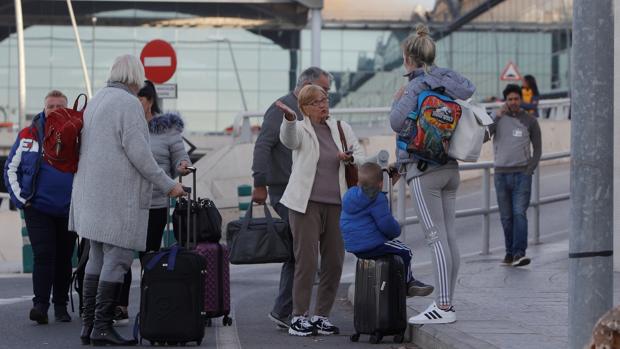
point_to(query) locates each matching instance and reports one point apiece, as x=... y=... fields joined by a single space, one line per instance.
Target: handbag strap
x=172 y=258
x=248 y=218
x=77 y=99
x=343 y=139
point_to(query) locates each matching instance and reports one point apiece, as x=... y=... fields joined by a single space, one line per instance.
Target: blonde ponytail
x=419 y=48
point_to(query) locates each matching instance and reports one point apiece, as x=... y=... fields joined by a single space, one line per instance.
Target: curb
x=10 y=268
x=434 y=336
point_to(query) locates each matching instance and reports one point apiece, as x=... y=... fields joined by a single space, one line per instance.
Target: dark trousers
x=158 y=217
x=52 y=246
x=513 y=198
x=283 y=306
x=391 y=247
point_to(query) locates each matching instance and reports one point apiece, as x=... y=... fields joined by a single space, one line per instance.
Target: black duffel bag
x=204 y=215
x=259 y=240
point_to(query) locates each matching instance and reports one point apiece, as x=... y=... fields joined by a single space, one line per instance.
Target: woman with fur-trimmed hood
x=169 y=152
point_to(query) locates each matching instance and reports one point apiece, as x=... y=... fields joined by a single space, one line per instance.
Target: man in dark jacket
x=271 y=167
x=44 y=194
x=515 y=132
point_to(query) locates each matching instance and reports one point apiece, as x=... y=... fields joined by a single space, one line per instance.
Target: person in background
x=271 y=169
x=531 y=95
x=168 y=149
x=313 y=197
x=515 y=132
x=44 y=194
x=368 y=228
x=112 y=193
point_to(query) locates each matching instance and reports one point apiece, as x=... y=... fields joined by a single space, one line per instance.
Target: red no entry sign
x=159 y=60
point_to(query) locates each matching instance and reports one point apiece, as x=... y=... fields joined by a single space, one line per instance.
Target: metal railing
x=486 y=210
x=376 y=117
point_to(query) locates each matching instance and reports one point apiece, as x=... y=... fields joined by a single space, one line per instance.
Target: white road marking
x=8 y=301
x=227 y=337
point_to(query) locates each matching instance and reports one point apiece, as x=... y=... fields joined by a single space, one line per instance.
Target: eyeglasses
x=319 y=102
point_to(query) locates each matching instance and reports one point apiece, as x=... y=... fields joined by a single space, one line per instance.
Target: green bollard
x=244 y=192
x=27 y=256
x=169 y=239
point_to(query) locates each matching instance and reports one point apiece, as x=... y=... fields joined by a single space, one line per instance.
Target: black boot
x=38 y=313
x=89 y=294
x=103 y=330
x=61 y=314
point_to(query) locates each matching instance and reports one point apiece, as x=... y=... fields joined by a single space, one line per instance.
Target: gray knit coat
x=113 y=186
x=168 y=149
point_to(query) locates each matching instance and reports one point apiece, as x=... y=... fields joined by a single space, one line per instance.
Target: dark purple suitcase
x=217 y=282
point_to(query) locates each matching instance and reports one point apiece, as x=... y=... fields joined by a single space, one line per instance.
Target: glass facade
x=367 y=64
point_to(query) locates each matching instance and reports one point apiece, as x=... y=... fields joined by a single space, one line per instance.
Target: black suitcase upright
x=380 y=293
x=172 y=296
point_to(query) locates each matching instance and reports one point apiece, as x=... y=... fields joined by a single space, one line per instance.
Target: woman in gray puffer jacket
x=433 y=189
x=169 y=153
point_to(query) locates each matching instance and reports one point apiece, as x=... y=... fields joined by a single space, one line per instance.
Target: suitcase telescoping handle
x=191 y=192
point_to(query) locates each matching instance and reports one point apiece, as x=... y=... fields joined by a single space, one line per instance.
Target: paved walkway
x=505 y=307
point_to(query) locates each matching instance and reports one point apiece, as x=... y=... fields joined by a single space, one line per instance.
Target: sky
x=374 y=9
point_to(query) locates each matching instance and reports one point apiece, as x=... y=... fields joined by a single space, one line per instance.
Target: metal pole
x=317 y=23
x=92 y=58
x=21 y=59
x=536 y=206
x=401 y=205
x=590 y=273
x=486 y=205
x=234 y=62
x=80 y=50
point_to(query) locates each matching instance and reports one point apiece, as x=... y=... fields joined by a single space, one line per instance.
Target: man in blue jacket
x=44 y=194
x=368 y=228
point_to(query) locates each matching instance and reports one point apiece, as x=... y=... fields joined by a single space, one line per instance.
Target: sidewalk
x=505 y=307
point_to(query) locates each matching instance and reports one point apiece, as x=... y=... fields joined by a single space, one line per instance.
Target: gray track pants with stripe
x=434 y=197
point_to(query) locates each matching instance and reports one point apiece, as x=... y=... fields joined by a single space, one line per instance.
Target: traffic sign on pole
x=510 y=73
x=159 y=60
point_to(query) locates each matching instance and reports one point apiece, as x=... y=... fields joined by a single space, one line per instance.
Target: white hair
x=128 y=70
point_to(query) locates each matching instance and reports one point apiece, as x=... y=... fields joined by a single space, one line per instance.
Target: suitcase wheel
x=355 y=337
x=227 y=321
x=399 y=338
x=376 y=338
x=208 y=323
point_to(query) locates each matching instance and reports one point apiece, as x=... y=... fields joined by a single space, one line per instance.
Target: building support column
x=590 y=266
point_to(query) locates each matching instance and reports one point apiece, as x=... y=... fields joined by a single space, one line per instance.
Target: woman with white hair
x=111 y=195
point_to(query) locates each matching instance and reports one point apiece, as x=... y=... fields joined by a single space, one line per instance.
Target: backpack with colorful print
x=429 y=127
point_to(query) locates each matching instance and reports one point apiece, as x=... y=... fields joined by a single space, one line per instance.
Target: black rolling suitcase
x=380 y=307
x=380 y=293
x=172 y=296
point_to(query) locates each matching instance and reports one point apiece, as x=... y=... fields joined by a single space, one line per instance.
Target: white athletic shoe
x=434 y=315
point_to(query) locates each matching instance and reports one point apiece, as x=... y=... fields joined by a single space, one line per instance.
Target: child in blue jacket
x=368 y=228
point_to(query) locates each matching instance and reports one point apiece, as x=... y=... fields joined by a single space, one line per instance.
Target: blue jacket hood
x=165 y=122
x=355 y=201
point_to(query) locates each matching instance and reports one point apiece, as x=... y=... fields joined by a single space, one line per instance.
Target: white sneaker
x=434 y=315
x=300 y=326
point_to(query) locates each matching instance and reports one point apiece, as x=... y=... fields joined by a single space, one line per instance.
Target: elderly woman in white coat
x=313 y=196
x=111 y=195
